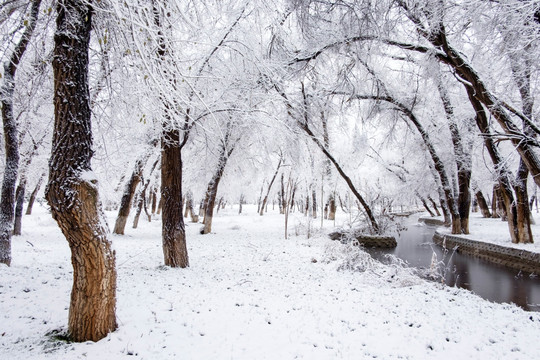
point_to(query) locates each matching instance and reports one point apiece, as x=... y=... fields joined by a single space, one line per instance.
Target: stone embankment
x=507 y=256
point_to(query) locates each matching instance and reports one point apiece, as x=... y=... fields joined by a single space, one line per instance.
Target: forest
x=165 y=115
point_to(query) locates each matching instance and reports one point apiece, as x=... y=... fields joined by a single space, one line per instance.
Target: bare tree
x=226 y=148
x=130 y=187
x=265 y=199
x=11 y=138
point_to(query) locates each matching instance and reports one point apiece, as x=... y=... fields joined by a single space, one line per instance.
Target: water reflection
x=490 y=281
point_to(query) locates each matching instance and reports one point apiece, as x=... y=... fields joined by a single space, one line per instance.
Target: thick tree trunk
x=33 y=195
x=173 y=232
x=11 y=141
x=72 y=190
x=173 y=229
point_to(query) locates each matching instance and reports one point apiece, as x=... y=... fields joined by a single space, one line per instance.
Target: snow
x=496 y=231
x=250 y=294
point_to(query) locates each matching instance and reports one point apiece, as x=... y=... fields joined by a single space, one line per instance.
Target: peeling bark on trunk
x=11 y=141
x=72 y=192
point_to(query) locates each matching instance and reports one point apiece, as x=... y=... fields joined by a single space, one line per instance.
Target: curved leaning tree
x=72 y=191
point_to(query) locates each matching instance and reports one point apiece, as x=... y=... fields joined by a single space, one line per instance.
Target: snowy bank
x=250 y=294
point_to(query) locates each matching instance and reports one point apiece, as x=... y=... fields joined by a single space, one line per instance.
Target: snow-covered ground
x=496 y=231
x=251 y=294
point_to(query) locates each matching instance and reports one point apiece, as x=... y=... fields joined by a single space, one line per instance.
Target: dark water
x=490 y=281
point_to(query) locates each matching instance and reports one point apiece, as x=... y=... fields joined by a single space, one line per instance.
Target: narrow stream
x=490 y=281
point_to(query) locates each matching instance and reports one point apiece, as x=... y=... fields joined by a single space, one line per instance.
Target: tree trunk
x=494 y=212
x=33 y=195
x=504 y=195
x=188 y=202
x=332 y=207
x=265 y=200
x=129 y=190
x=462 y=158
x=478 y=90
x=282 y=199
x=72 y=190
x=154 y=200
x=173 y=232
x=139 y=208
x=424 y=203
x=141 y=197
x=225 y=152
x=434 y=204
x=314 y=203
x=522 y=216
x=19 y=196
x=482 y=204
x=210 y=203
x=241 y=202
x=173 y=229
x=11 y=141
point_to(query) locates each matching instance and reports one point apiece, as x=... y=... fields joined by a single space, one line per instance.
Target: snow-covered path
x=250 y=294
